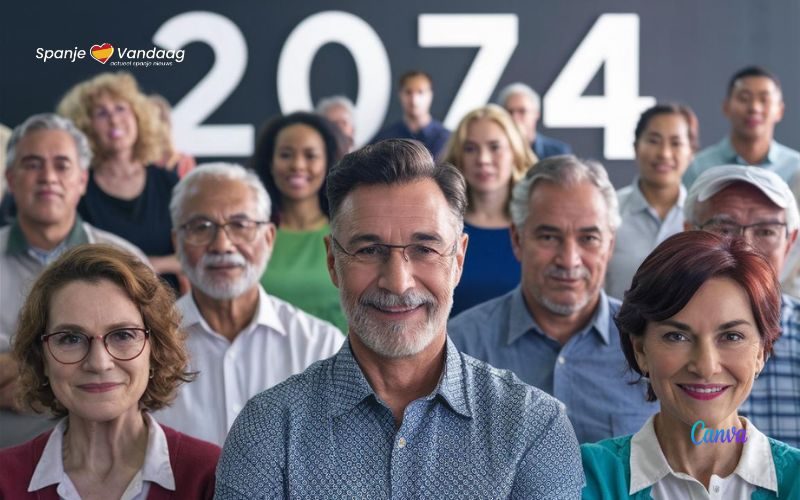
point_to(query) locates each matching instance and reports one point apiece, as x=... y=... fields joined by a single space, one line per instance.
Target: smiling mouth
x=104 y=387
x=704 y=392
x=397 y=310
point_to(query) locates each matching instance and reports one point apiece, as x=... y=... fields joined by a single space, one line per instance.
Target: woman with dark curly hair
x=293 y=156
x=99 y=346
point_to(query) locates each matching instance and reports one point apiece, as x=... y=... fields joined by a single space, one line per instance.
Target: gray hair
x=327 y=103
x=519 y=88
x=49 y=121
x=564 y=170
x=226 y=171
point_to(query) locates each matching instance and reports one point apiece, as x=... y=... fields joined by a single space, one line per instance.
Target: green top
x=607 y=467
x=298 y=273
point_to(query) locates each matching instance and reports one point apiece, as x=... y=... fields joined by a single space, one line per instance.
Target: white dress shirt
x=281 y=341
x=649 y=467
x=156 y=468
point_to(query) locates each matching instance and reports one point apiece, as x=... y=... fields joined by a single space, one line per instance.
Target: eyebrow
x=731 y=219
x=114 y=326
x=554 y=229
x=374 y=238
x=683 y=326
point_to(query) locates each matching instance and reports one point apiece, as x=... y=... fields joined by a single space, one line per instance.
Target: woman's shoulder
x=610 y=451
x=183 y=447
x=606 y=466
x=17 y=464
x=787 y=463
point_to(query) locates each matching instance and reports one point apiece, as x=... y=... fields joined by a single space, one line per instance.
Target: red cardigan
x=193 y=464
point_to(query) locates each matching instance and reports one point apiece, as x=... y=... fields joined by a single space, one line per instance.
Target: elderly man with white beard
x=399 y=412
x=556 y=330
x=240 y=339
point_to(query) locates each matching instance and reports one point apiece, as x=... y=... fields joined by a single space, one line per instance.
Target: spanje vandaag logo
x=115 y=56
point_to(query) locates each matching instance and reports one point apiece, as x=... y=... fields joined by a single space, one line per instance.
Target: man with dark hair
x=416 y=95
x=753 y=106
x=399 y=412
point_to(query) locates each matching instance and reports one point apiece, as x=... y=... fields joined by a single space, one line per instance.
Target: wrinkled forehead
x=219 y=197
x=740 y=200
x=396 y=213
x=519 y=101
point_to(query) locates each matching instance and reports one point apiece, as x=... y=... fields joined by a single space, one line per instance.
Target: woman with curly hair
x=293 y=155
x=99 y=346
x=488 y=148
x=127 y=193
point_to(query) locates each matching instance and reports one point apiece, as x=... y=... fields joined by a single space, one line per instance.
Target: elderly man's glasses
x=69 y=347
x=763 y=234
x=379 y=253
x=204 y=231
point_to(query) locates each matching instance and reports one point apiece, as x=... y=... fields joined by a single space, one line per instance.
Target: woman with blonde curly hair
x=98 y=345
x=489 y=149
x=127 y=193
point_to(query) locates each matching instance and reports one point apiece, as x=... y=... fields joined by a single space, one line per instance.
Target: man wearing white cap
x=757 y=204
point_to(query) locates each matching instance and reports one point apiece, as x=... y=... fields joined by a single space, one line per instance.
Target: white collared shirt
x=649 y=467
x=280 y=341
x=156 y=467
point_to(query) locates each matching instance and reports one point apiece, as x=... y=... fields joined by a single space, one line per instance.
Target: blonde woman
x=126 y=194
x=488 y=148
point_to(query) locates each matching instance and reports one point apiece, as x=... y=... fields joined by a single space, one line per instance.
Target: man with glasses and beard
x=240 y=340
x=556 y=330
x=399 y=412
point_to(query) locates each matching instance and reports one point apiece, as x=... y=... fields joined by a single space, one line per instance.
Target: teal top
x=607 y=468
x=298 y=273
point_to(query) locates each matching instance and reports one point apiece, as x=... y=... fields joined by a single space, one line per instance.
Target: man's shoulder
x=790 y=309
x=711 y=156
x=554 y=147
x=485 y=318
x=100 y=236
x=298 y=322
x=4 y=232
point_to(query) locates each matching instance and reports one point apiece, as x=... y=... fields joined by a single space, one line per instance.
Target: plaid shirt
x=774 y=403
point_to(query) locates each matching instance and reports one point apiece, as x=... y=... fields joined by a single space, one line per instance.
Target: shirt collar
x=733 y=157
x=18 y=244
x=350 y=387
x=649 y=465
x=156 y=467
x=521 y=321
x=638 y=203
x=265 y=314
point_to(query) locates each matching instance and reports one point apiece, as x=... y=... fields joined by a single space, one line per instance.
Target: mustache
x=230 y=259
x=382 y=299
x=567 y=274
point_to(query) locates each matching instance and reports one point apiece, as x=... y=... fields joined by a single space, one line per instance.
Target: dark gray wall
x=688 y=49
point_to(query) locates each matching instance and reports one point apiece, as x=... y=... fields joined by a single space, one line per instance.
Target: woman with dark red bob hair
x=698 y=323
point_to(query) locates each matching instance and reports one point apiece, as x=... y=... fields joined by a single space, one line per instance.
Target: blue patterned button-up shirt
x=774 y=402
x=325 y=434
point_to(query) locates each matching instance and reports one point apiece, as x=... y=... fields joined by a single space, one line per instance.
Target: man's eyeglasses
x=763 y=234
x=378 y=253
x=204 y=231
x=69 y=347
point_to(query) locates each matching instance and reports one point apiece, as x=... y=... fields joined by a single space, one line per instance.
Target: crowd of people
x=467 y=314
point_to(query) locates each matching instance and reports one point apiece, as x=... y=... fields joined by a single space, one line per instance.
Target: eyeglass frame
x=401 y=247
x=224 y=226
x=45 y=338
x=742 y=227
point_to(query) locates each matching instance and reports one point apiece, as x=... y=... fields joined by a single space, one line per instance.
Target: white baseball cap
x=715 y=179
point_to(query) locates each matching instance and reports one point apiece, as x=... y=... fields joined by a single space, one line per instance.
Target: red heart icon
x=102 y=53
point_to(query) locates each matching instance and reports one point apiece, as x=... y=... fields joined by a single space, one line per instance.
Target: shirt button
x=401 y=443
x=716 y=489
x=561 y=360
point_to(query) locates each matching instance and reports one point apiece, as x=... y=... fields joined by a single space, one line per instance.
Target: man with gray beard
x=399 y=412
x=240 y=340
x=556 y=330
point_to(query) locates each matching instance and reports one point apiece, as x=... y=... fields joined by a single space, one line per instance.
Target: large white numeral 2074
x=613 y=40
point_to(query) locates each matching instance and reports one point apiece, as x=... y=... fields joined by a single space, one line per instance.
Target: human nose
x=569 y=255
x=396 y=274
x=484 y=156
x=98 y=358
x=705 y=360
x=47 y=173
x=221 y=241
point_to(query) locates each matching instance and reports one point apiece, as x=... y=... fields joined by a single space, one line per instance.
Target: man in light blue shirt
x=556 y=330
x=399 y=412
x=754 y=106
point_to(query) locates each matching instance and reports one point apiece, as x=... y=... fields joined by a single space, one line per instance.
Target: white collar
x=265 y=314
x=156 y=467
x=649 y=465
